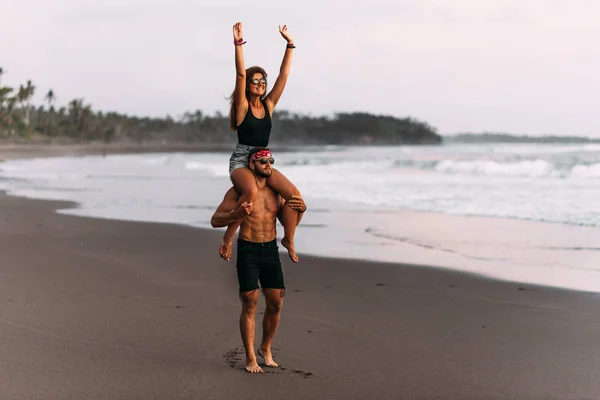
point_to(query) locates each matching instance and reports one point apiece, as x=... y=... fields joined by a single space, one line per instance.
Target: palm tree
x=50 y=97
x=84 y=121
x=4 y=98
x=29 y=91
x=12 y=103
x=21 y=98
x=4 y=92
x=2 y=72
x=76 y=112
x=6 y=111
x=75 y=106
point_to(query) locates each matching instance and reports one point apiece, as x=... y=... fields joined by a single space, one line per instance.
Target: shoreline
x=323 y=259
x=425 y=238
x=12 y=151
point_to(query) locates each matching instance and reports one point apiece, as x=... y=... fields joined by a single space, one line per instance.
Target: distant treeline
x=507 y=138
x=20 y=119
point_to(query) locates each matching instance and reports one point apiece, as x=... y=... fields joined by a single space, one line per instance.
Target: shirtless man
x=258 y=255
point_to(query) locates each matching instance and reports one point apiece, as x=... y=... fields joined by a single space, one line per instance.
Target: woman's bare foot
x=253 y=368
x=266 y=354
x=289 y=245
x=225 y=248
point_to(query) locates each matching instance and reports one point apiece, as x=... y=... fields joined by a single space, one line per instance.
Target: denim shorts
x=258 y=262
x=239 y=157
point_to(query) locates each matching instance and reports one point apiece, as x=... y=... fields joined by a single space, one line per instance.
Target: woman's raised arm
x=239 y=94
x=273 y=97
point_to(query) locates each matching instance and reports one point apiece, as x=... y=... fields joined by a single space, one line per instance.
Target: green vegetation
x=20 y=120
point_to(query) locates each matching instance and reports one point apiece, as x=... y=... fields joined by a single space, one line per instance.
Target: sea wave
x=463 y=180
x=157 y=160
x=216 y=169
x=483 y=138
x=586 y=171
x=533 y=168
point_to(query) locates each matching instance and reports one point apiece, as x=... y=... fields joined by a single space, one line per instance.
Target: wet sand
x=542 y=253
x=10 y=151
x=120 y=310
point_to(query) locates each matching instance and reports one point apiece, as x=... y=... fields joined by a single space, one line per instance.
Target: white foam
x=157 y=161
x=531 y=168
x=213 y=168
x=586 y=171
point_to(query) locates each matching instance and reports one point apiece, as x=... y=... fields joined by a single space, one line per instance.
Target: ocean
x=521 y=212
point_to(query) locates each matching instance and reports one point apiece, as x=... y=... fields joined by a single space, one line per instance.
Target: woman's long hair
x=232 y=109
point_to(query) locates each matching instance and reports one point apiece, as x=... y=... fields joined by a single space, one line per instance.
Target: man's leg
x=274 y=300
x=247 y=327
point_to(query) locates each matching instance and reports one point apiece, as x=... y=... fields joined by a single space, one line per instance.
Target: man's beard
x=262 y=174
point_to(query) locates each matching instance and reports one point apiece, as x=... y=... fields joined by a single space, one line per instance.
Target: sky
x=521 y=67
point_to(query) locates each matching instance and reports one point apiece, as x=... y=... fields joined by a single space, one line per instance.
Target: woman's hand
x=284 y=32
x=237 y=32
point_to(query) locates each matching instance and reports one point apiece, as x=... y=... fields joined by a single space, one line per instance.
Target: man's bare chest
x=266 y=202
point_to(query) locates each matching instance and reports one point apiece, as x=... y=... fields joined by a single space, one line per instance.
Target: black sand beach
x=105 y=309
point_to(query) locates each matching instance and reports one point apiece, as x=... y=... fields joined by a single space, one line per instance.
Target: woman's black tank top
x=253 y=131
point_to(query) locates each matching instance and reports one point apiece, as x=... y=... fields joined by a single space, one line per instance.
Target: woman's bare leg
x=245 y=183
x=289 y=217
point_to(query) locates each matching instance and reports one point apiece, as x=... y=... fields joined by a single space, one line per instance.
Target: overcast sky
x=511 y=66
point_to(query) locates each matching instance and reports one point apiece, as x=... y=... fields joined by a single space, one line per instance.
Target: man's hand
x=297 y=203
x=243 y=209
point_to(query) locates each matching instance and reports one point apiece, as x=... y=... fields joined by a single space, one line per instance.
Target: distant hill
x=506 y=138
x=351 y=128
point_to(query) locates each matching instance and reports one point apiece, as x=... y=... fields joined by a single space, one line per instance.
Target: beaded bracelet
x=239 y=42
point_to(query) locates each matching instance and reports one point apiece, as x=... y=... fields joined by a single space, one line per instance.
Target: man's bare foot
x=253 y=368
x=225 y=249
x=289 y=245
x=266 y=354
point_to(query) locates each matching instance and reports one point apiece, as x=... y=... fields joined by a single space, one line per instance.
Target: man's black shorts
x=258 y=262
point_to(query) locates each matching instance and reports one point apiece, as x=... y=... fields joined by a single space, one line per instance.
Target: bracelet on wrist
x=239 y=42
x=290 y=46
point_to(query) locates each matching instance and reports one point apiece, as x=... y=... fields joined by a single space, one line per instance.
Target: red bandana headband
x=260 y=154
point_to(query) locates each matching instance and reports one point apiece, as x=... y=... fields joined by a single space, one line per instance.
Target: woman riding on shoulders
x=250 y=115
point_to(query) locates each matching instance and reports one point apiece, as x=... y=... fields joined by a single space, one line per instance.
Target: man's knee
x=249 y=301
x=274 y=308
x=274 y=305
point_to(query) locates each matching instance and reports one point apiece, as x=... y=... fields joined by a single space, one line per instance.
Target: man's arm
x=228 y=211
x=295 y=203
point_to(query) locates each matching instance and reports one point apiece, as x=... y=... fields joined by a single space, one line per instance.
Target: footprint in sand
x=234 y=357
x=303 y=374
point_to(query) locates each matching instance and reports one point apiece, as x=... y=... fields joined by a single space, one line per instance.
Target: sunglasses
x=256 y=81
x=263 y=161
